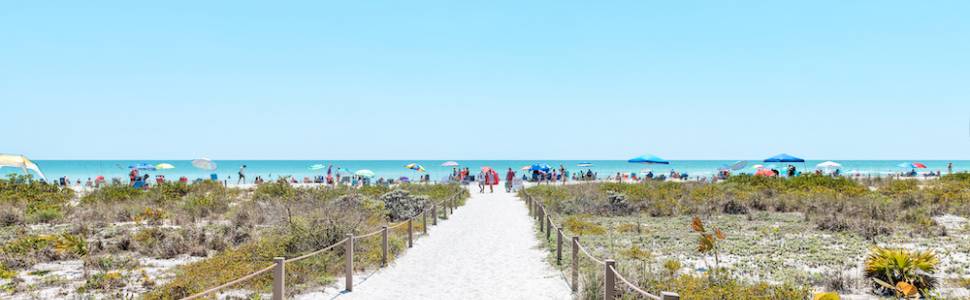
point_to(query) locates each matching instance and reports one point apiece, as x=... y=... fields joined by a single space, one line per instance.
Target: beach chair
x=139 y=184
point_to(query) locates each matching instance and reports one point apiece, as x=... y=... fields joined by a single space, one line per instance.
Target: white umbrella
x=204 y=163
x=450 y=164
x=20 y=161
x=828 y=165
x=365 y=173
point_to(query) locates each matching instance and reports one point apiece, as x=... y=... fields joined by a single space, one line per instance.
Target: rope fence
x=538 y=211
x=279 y=263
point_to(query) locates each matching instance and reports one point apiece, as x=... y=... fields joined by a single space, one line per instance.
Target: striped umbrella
x=416 y=167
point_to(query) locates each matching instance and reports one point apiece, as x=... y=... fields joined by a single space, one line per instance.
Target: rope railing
x=279 y=263
x=538 y=210
x=631 y=285
x=591 y=257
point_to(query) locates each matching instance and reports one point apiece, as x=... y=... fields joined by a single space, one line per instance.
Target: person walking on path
x=481 y=182
x=562 y=172
x=949 y=168
x=242 y=175
x=509 y=177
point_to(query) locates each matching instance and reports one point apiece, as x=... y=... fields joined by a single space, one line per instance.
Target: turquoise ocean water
x=271 y=169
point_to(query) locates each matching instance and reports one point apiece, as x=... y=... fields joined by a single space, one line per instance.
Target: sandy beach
x=486 y=250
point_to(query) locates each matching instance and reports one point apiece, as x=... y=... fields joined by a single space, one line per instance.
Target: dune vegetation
x=775 y=238
x=177 y=239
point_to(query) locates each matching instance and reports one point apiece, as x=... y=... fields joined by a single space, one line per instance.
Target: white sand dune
x=487 y=250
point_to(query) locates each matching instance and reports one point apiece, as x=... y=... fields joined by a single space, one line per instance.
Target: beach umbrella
x=758 y=166
x=164 y=166
x=20 y=161
x=828 y=164
x=364 y=173
x=540 y=167
x=738 y=165
x=525 y=168
x=764 y=172
x=450 y=164
x=648 y=159
x=911 y=165
x=204 y=164
x=142 y=166
x=416 y=167
x=584 y=164
x=784 y=158
x=317 y=167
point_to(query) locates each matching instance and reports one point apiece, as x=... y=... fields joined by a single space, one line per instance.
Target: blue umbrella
x=540 y=167
x=142 y=166
x=784 y=158
x=738 y=165
x=648 y=159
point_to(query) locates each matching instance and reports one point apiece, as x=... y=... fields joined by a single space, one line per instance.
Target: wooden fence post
x=575 y=274
x=434 y=214
x=384 y=246
x=559 y=246
x=424 y=221
x=609 y=282
x=548 y=227
x=349 y=270
x=410 y=233
x=279 y=278
x=669 y=296
x=542 y=222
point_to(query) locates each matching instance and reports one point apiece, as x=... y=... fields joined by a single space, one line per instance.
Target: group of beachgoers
x=485 y=179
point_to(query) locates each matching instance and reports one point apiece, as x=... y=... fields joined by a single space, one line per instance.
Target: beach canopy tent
x=164 y=166
x=784 y=158
x=316 y=167
x=416 y=167
x=648 y=159
x=364 y=173
x=21 y=162
x=584 y=164
x=912 y=165
x=142 y=167
x=450 y=164
x=540 y=167
x=204 y=164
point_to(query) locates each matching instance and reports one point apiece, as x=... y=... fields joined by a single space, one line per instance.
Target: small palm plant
x=708 y=240
x=901 y=273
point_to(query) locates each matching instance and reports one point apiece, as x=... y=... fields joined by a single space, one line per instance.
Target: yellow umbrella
x=164 y=166
x=20 y=161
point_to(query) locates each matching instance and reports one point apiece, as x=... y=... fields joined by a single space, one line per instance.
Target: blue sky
x=493 y=80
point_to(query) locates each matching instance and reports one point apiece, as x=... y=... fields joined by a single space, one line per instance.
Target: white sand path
x=486 y=250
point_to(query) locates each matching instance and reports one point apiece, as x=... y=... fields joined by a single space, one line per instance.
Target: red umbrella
x=919 y=165
x=764 y=172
